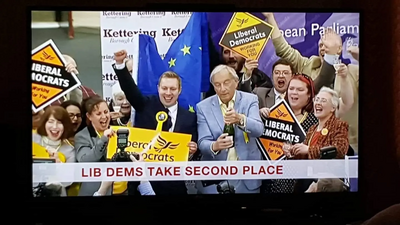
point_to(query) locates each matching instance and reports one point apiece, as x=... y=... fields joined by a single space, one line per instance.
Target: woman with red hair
x=299 y=96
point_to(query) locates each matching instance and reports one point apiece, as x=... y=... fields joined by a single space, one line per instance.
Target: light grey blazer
x=210 y=125
x=90 y=148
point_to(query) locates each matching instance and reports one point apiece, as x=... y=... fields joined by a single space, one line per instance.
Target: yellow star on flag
x=185 y=50
x=171 y=62
x=191 y=109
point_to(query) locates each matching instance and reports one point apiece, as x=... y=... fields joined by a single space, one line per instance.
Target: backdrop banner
x=301 y=30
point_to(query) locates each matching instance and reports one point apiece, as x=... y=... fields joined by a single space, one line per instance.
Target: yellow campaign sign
x=41 y=93
x=282 y=113
x=168 y=147
x=273 y=148
x=48 y=55
x=50 y=80
x=281 y=126
x=246 y=35
x=40 y=152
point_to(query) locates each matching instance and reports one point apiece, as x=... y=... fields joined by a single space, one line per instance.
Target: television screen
x=194 y=102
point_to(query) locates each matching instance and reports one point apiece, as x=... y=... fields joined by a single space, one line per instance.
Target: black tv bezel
x=308 y=203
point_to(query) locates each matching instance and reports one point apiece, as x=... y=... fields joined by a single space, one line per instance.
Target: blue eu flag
x=150 y=65
x=188 y=57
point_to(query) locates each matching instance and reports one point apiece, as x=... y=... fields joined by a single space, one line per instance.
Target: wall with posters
x=301 y=30
x=118 y=30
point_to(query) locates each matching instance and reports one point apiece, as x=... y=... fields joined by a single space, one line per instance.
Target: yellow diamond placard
x=48 y=55
x=41 y=94
x=246 y=35
x=281 y=126
x=50 y=80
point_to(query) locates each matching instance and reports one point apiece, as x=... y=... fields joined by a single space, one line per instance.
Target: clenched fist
x=120 y=56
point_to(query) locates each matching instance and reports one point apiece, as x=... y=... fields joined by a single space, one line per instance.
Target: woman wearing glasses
x=330 y=130
x=75 y=114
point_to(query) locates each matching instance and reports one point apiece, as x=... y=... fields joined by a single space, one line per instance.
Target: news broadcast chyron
x=247 y=35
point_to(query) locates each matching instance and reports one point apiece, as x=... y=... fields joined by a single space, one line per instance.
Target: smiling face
x=100 y=116
x=298 y=94
x=169 y=90
x=54 y=128
x=120 y=100
x=323 y=106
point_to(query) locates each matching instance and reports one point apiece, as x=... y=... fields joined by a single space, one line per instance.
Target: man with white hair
x=232 y=107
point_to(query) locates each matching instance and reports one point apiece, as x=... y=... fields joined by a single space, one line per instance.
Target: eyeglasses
x=284 y=73
x=320 y=100
x=72 y=116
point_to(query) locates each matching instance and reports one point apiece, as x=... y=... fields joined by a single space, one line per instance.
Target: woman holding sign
x=300 y=95
x=91 y=142
x=54 y=128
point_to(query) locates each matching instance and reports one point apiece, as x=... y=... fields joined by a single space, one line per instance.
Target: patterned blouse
x=287 y=185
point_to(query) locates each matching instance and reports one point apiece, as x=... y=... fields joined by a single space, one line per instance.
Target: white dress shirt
x=173 y=112
x=277 y=96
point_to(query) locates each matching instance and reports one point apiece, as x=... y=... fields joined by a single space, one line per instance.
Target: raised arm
x=282 y=47
x=347 y=90
x=333 y=48
x=326 y=75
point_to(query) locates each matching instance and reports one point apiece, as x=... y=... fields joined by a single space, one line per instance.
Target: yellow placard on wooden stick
x=156 y=145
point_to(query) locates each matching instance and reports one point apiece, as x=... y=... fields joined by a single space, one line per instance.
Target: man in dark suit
x=179 y=120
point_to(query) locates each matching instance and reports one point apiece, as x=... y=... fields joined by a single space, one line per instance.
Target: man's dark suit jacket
x=146 y=109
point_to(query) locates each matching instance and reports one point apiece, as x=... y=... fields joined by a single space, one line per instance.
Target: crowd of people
x=324 y=99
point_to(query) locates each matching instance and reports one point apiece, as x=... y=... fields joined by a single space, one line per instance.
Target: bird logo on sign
x=163 y=144
x=279 y=114
x=241 y=21
x=46 y=57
